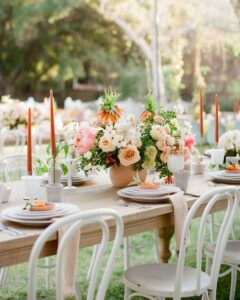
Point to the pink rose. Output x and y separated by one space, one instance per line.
186 153
85 138
189 142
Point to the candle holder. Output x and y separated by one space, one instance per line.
32 186
54 192
71 165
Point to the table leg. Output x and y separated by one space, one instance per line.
165 235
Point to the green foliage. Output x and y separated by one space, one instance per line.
150 103
109 101
61 149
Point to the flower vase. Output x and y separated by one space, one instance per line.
54 192
54 178
121 176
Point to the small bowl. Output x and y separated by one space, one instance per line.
48 206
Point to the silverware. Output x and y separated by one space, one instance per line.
130 204
11 230
191 194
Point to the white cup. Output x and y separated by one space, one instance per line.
5 193
182 179
217 156
54 192
175 163
32 186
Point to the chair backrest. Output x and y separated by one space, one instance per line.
231 196
13 138
14 166
76 222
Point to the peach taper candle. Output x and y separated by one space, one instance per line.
52 126
29 143
216 120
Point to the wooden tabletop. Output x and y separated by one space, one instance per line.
97 193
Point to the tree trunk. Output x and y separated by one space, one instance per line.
158 85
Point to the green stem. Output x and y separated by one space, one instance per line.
54 170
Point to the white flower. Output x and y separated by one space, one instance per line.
91 170
179 109
87 155
106 144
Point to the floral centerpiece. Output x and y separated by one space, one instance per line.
124 144
230 142
13 113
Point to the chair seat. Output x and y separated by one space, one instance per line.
231 254
159 280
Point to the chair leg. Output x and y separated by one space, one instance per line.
93 258
212 225
233 283
208 265
126 247
212 295
47 272
156 243
3 276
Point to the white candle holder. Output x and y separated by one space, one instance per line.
32 186
70 164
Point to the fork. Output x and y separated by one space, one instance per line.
11 230
128 204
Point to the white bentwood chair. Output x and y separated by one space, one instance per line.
231 258
76 222
157 281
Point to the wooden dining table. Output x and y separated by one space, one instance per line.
99 193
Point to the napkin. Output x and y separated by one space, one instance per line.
70 258
180 213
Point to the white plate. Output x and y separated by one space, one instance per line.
75 179
59 208
225 179
145 198
22 217
163 190
232 175
13 214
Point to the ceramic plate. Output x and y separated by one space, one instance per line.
145 198
163 190
218 177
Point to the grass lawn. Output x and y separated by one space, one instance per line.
15 287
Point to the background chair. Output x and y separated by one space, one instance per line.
76 222
211 132
12 141
13 167
155 281
231 258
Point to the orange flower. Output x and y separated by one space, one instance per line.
105 116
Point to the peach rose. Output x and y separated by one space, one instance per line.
128 155
158 132
164 157
106 145
161 145
158 119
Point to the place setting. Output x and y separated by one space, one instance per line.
38 213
